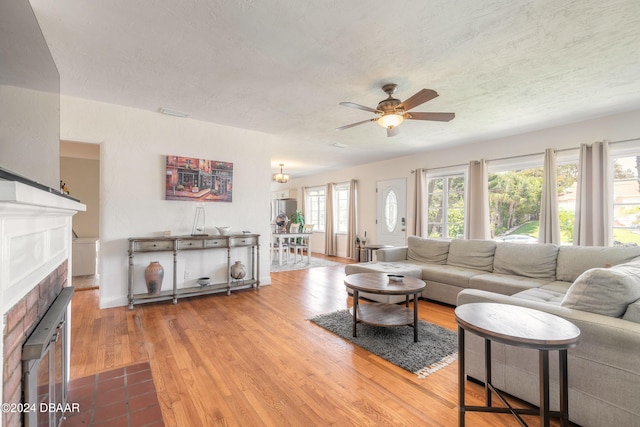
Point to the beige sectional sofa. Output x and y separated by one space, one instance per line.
596 288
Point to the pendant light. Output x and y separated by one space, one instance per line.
281 177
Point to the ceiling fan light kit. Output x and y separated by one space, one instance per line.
389 121
392 112
281 178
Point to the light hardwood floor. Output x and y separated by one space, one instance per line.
254 359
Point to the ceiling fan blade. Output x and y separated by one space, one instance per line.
359 107
419 98
438 117
355 124
393 131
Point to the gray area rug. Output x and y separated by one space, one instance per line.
301 265
436 348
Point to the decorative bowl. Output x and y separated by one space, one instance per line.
224 230
204 281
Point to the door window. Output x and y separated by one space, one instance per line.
391 211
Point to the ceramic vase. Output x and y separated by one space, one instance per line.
238 270
153 275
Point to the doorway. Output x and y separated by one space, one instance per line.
80 172
391 208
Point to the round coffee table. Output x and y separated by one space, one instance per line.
381 314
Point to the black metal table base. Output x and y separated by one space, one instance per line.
544 412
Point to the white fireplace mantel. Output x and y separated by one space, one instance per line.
35 237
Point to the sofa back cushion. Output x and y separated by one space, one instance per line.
633 312
476 254
607 291
537 261
427 250
575 260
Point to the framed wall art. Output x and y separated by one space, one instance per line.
188 178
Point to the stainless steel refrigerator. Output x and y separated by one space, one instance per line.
285 206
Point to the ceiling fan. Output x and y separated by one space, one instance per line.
391 111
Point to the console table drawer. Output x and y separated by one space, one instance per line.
215 243
243 241
156 245
190 244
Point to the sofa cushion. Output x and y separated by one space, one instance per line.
633 312
575 260
454 276
506 284
427 250
606 291
476 254
541 295
537 261
557 286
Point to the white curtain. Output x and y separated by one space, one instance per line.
477 224
420 214
330 242
549 231
593 224
353 219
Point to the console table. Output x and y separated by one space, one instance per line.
177 244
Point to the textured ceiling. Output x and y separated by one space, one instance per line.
281 66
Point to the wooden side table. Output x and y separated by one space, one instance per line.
520 327
371 249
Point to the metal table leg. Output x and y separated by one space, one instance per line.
461 375
356 296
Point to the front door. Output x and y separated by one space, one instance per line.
391 219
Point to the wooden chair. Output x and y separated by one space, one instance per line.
302 244
274 247
294 227
276 244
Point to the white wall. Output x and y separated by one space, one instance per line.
613 128
133 144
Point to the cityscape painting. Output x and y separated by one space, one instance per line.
199 180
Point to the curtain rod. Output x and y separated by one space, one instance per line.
525 155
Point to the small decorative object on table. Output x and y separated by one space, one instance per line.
238 270
298 218
224 230
281 221
198 222
153 275
363 240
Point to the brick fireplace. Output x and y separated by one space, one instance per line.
35 265
21 320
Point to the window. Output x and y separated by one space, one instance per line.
445 204
342 208
626 200
515 195
514 202
315 208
